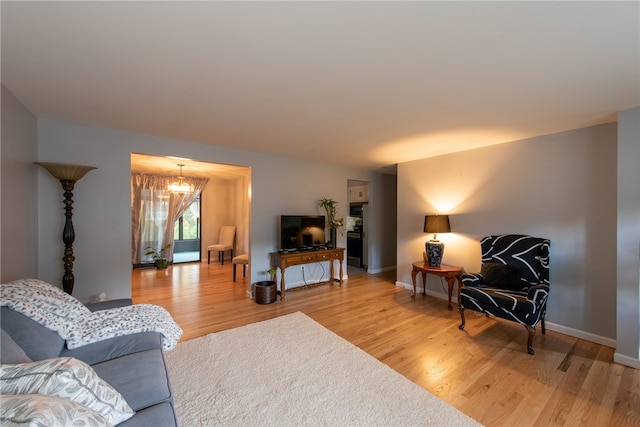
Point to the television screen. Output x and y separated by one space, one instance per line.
301 231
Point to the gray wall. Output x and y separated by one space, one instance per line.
102 202
628 279
560 186
383 223
19 233
572 177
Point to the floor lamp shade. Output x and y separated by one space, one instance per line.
67 175
434 248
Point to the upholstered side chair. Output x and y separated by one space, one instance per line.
513 283
240 259
226 242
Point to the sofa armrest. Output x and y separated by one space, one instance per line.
112 303
36 341
112 348
471 279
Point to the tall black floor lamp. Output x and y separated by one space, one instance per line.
67 175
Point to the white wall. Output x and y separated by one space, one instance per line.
560 186
628 303
102 203
18 151
225 202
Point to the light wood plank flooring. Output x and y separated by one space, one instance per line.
484 371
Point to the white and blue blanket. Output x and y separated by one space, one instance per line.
76 324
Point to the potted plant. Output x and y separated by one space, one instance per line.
334 223
157 255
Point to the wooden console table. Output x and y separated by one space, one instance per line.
282 260
449 272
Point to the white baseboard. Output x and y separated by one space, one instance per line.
380 270
408 286
626 360
576 333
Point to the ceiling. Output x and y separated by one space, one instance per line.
170 166
363 84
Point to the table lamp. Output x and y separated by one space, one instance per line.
434 248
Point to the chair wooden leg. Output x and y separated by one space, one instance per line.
544 329
244 270
234 272
532 332
208 257
461 327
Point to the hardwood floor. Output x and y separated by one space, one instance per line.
483 371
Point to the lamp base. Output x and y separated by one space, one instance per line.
435 250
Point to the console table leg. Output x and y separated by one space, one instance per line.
331 273
282 285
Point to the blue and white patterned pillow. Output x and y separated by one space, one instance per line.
67 378
39 410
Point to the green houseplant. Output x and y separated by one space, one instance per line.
334 223
157 255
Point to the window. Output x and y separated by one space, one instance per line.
186 235
187 227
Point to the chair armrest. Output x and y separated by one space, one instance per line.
471 279
538 294
105 305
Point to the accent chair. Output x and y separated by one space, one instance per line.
226 241
513 283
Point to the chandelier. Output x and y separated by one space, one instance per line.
180 186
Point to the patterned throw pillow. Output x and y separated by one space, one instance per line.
499 275
67 378
38 410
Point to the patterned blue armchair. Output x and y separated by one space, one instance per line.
513 283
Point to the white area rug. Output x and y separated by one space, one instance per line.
291 371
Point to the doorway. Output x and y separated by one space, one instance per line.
224 200
358 226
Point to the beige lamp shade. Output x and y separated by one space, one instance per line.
65 172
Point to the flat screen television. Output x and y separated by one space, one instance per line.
301 232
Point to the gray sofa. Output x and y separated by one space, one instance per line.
133 365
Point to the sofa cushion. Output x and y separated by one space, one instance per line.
40 410
36 341
113 348
10 351
66 378
140 377
160 415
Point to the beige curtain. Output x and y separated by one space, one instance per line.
154 211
